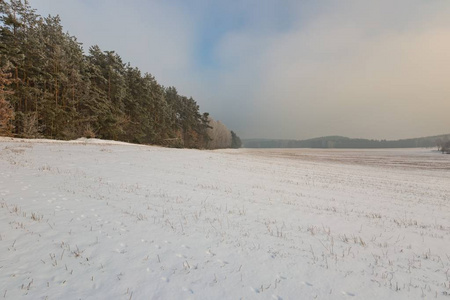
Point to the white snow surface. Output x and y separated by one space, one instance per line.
91 219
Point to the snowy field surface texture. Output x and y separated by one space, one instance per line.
92 219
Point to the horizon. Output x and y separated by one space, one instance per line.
341 136
293 71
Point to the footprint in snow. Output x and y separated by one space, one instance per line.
165 279
348 294
185 289
306 283
222 262
276 297
255 290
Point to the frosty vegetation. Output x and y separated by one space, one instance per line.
219 134
444 145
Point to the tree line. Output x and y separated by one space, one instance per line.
50 88
344 142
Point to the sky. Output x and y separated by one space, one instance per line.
286 69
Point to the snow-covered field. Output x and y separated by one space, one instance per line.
99 220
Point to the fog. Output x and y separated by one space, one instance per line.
372 69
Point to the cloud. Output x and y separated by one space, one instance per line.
365 70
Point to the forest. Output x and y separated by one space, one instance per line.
51 88
441 141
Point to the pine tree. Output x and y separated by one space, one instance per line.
50 88
6 110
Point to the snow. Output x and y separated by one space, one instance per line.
90 219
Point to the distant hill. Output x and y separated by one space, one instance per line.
344 142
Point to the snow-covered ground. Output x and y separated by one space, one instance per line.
98 220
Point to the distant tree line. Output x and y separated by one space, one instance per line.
443 145
345 142
50 88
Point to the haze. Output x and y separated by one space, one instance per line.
286 69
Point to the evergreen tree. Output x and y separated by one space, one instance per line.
235 141
50 88
6 110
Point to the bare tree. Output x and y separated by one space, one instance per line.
439 144
445 148
219 134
